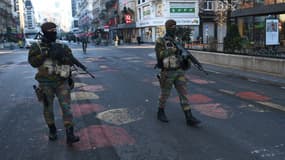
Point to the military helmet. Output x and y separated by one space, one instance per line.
169 23
47 26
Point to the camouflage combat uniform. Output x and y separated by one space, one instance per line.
171 76
51 84
169 60
53 61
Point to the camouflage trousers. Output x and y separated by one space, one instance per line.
179 81
62 92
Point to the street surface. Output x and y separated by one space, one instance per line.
115 114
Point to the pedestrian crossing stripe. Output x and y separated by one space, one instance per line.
83 96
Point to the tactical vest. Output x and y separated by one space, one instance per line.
52 67
170 62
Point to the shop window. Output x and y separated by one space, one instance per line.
259 28
247 4
269 2
280 1
259 2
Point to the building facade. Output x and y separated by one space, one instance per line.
85 15
252 17
7 22
152 14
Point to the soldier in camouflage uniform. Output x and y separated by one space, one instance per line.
172 73
50 58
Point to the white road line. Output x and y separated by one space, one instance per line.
227 91
252 80
213 71
272 105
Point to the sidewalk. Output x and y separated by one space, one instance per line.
5 51
247 74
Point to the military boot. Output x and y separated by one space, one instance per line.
70 137
190 119
52 132
161 115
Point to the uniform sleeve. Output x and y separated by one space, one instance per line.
159 48
36 58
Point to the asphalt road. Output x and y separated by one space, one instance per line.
115 114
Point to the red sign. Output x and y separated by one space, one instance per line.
128 18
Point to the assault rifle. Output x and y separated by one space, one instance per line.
187 54
74 61
60 54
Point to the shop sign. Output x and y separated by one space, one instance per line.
128 18
106 28
182 9
146 12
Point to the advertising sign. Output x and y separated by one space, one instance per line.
272 32
182 9
146 12
128 18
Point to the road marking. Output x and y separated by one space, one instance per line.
106 136
252 96
283 87
121 116
77 85
227 91
152 54
272 105
86 108
83 96
215 110
213 71
252 80
92 88
272 151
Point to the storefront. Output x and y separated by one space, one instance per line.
252 24
153 15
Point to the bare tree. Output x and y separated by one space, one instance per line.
224 9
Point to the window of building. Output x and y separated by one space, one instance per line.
259 2
140 13
269 2
139 1
247 4
259 28
281 28
208 5
280 1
